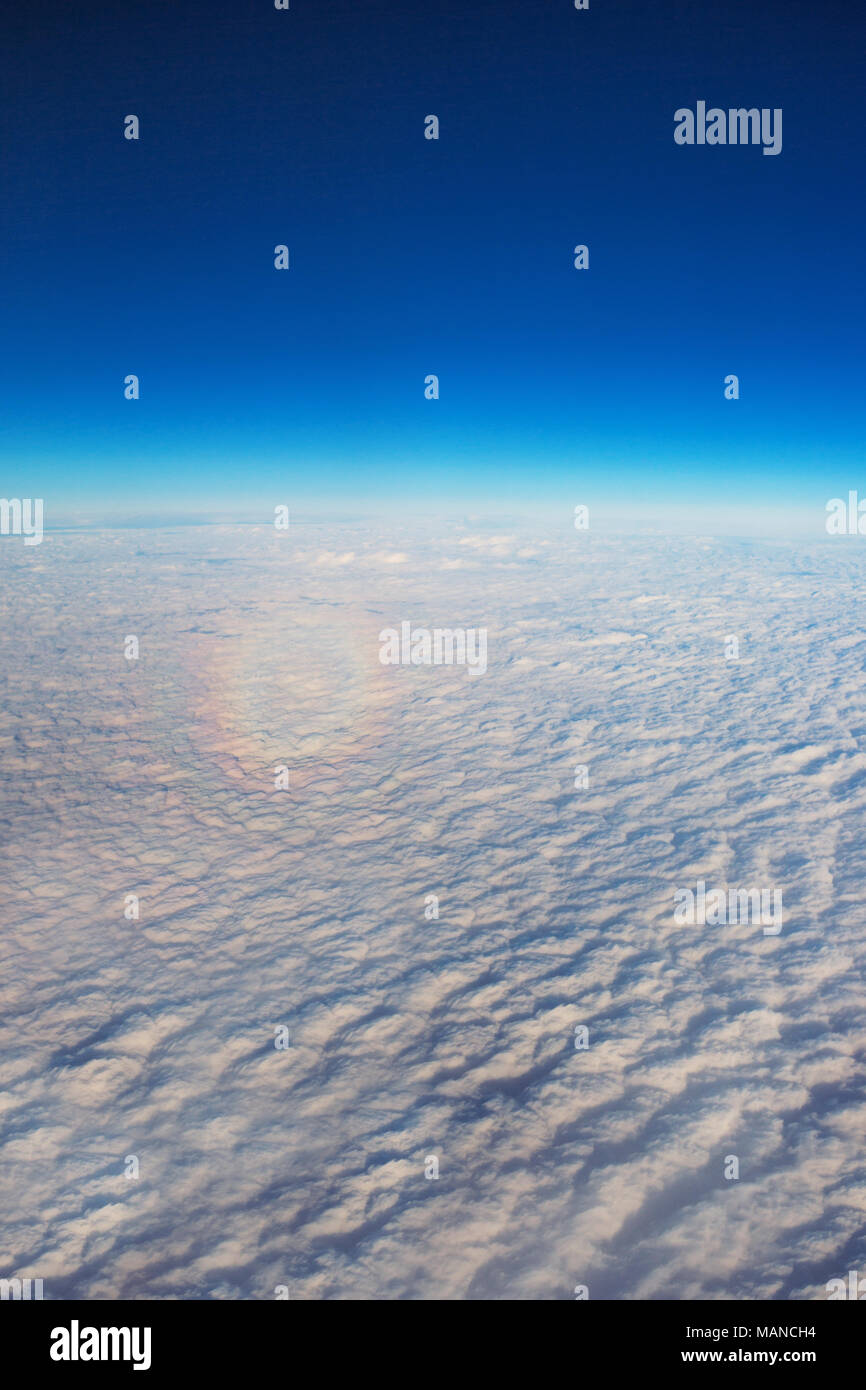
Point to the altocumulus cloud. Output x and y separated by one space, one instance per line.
409 1036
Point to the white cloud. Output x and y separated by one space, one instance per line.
453 1036
331 558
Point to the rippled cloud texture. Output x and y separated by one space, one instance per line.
413 1037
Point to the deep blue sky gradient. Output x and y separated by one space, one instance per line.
412 256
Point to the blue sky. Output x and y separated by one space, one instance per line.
412 257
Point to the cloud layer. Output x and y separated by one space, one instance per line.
409 1037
